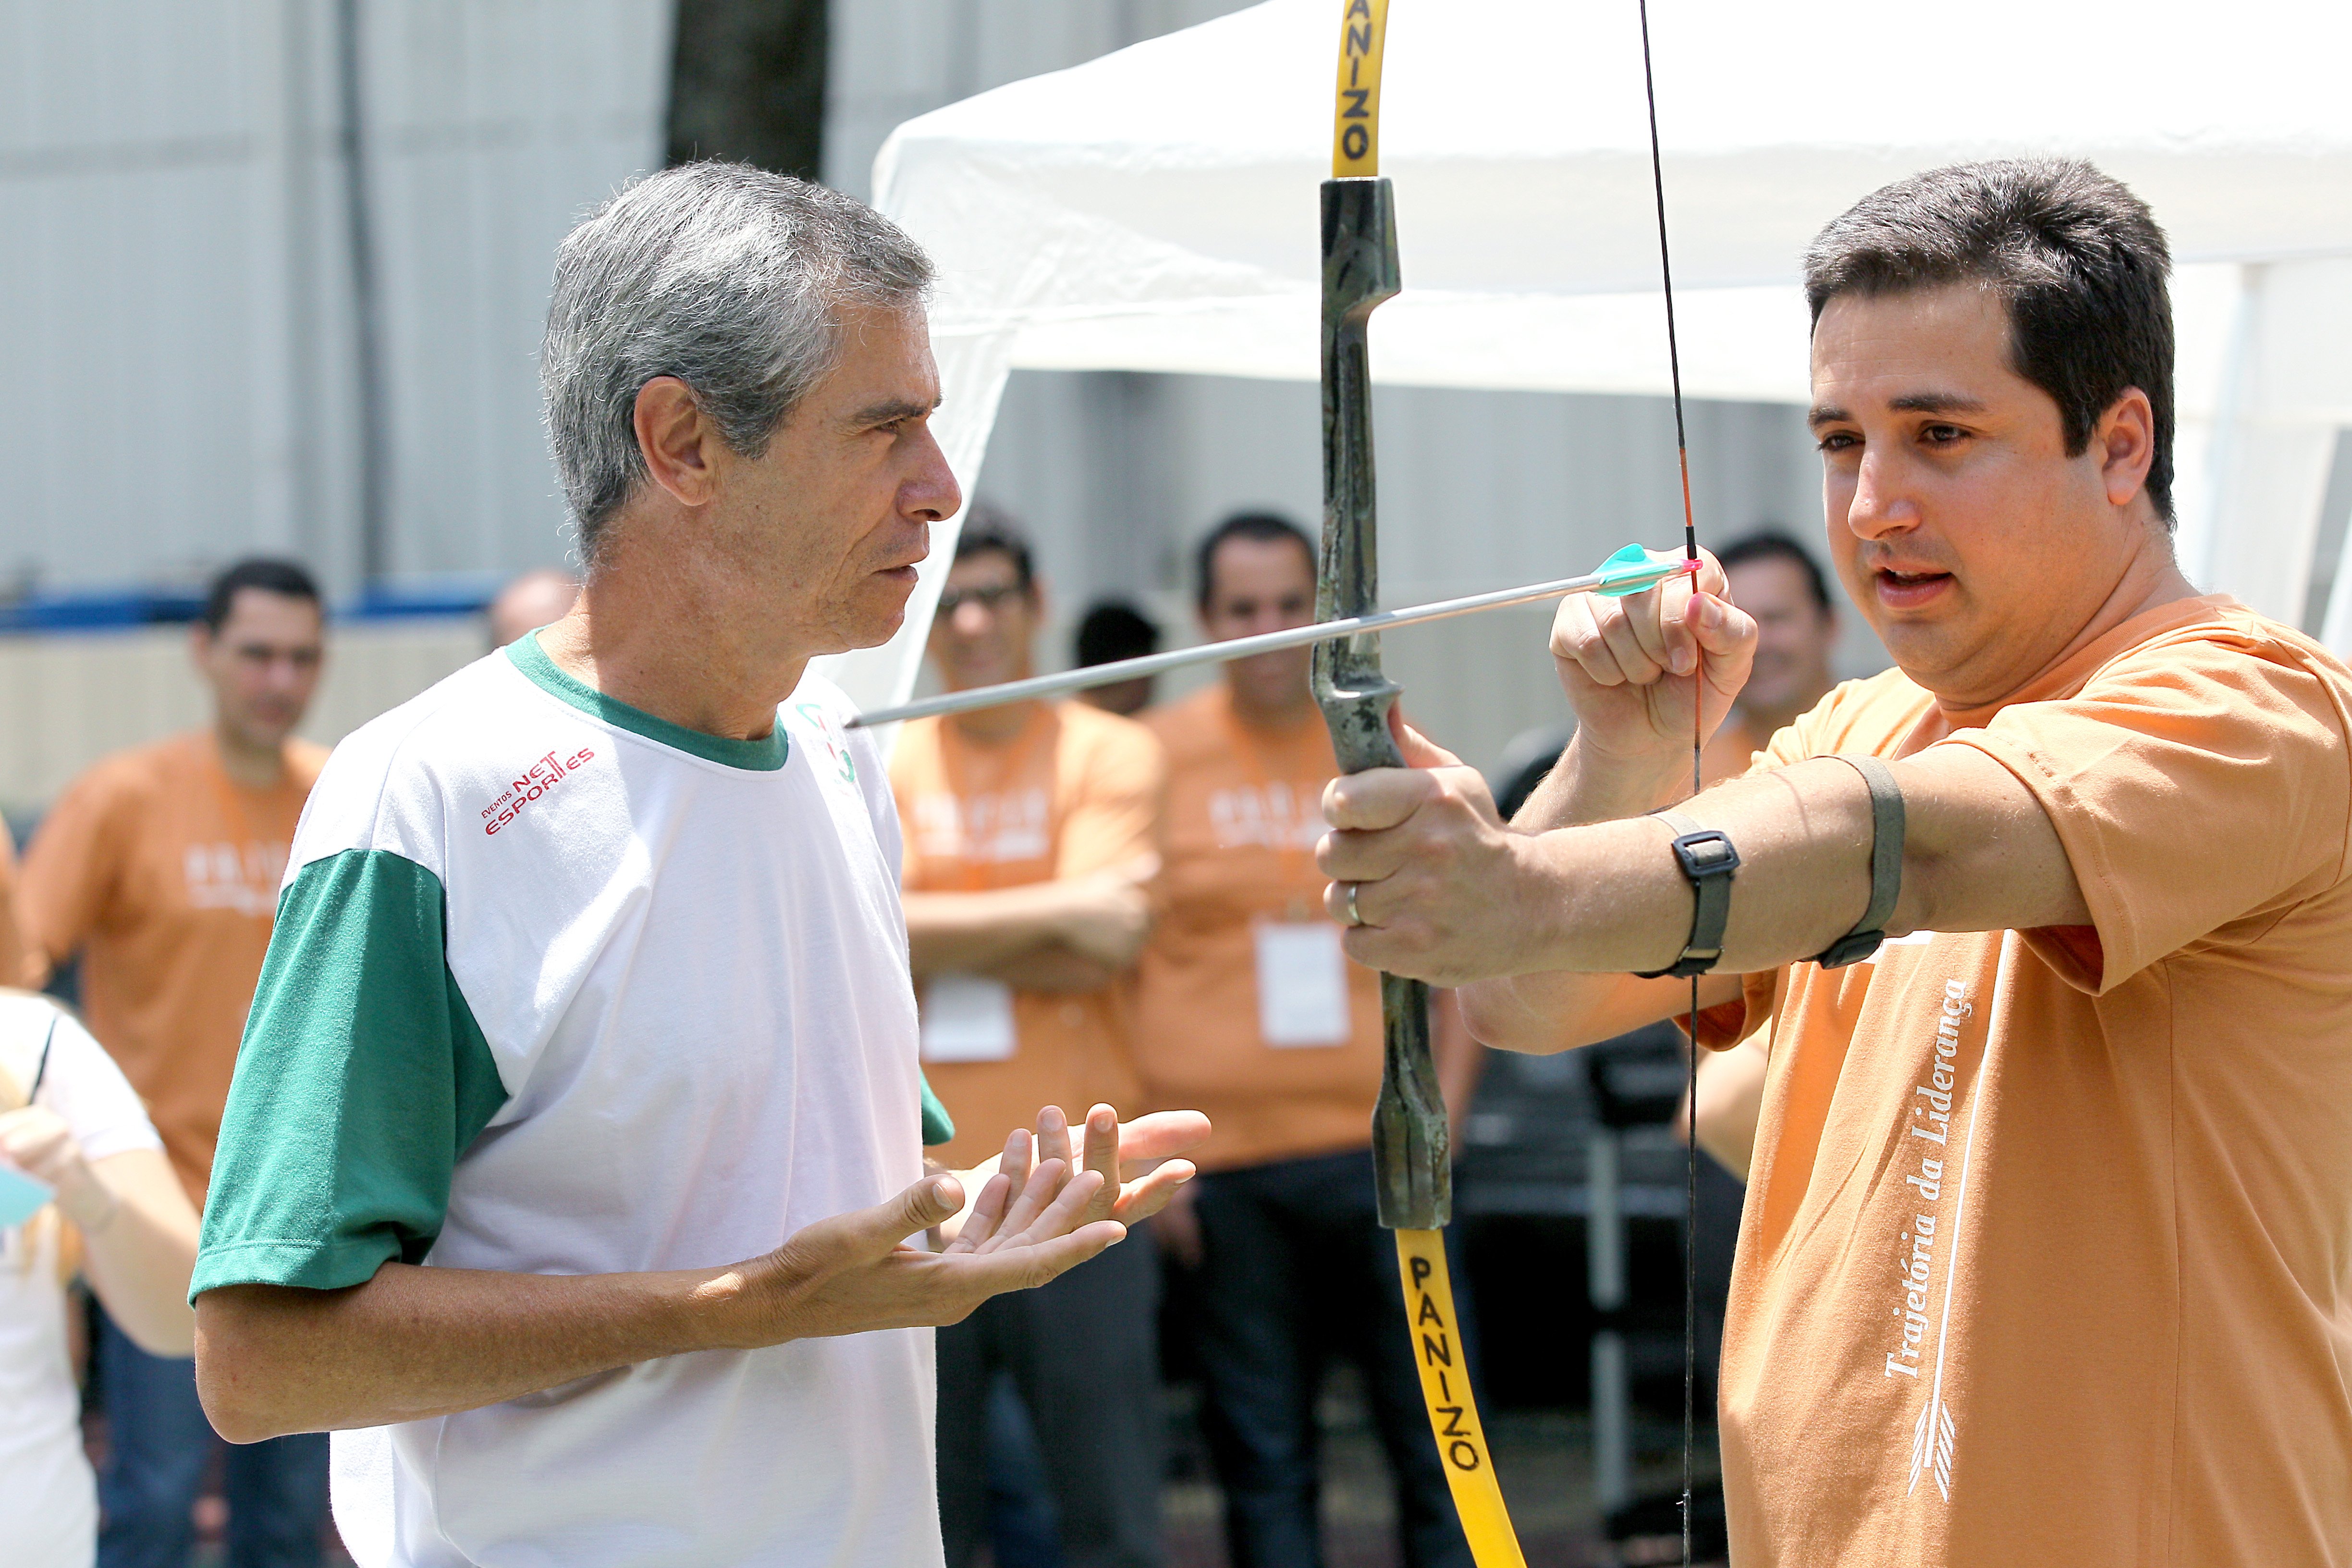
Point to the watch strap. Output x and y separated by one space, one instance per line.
1707 859
1886 823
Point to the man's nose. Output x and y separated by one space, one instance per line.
930 492
1881 503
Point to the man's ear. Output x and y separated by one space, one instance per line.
2124 443
679 445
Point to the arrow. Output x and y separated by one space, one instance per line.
1630 571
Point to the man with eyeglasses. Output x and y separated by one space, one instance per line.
1029 840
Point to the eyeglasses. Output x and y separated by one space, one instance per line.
987 597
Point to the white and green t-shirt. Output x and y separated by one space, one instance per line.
561 988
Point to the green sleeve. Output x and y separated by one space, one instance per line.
361 1078
937 1128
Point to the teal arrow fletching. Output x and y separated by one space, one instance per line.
1633 569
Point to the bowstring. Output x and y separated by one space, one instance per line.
1690 554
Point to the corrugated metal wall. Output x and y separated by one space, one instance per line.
176 294
499 123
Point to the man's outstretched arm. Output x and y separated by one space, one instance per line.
1543 929
414 1342
1546 924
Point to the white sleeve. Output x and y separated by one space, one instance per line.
881 804
84 1087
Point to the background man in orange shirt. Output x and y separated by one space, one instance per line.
1029 839
1249 1011
160 867
1780 587
2047 1253
13 965
539 597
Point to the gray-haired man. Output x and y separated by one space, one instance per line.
572 1149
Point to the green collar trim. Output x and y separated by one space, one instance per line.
764 755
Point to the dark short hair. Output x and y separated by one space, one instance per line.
2076 257
268 574
1262 526
1771 544
986 528
1115 629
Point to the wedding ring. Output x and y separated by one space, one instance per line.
1354 919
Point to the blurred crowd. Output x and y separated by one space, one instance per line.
1108 900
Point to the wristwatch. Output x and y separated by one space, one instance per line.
1708 860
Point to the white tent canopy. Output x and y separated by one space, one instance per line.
1156 209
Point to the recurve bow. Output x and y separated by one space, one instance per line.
1411 1150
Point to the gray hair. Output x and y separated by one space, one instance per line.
729 277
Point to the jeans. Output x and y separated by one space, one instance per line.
1295 1268
159 1445
1083 1353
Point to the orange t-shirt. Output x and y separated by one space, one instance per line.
2047 1254
1732 750
165 875
13 956
1237 851
1074 792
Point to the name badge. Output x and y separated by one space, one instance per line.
1302 984
967 1018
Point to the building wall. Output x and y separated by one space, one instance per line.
177 289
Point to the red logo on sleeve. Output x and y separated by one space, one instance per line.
537 780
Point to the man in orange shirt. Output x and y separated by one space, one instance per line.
12 941
1248 1010
160 867
2047 1255
539 597
1028 841
1771 576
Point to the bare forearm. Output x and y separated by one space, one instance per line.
1583 789
139 1258
414 1343
983 933
1979 855
1552 1011
1053 967
971 933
